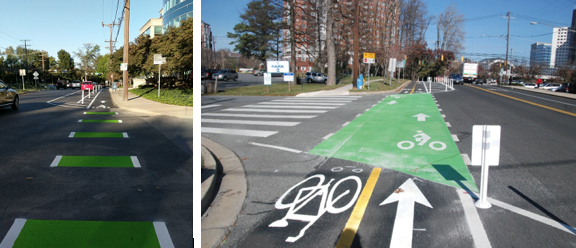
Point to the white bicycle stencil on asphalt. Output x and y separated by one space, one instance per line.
422 138
306 194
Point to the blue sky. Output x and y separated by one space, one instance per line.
68 24
552 12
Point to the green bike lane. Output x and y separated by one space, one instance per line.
100 188
406 133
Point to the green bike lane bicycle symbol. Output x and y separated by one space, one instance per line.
421 138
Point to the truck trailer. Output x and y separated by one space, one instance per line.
469 72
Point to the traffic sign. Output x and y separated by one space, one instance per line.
369 61
267 78
35 78
158 59
369 55
22 72
392 65
35 74
289 77
123 66
277 66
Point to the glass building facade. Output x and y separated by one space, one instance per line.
541 53
176 11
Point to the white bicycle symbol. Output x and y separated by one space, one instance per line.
307 194
422 138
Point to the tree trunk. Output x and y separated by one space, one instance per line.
330 44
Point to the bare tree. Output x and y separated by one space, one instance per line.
451 29
414 21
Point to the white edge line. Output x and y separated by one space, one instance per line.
328 136
276 147
13 233
90 105
135 161
473 219
533 216
80 120
466 159
84 112
455 138
448 124
346 124
119 121
56 161
125 134
358 115
163 235
71 135
116 113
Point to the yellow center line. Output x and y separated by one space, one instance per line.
353 223
415 83
525 101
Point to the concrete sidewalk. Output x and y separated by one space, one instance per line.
136 103
345 90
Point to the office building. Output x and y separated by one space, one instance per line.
560 47
541 54
175 11
152 28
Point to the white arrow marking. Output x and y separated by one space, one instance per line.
392 102
406 195
421 117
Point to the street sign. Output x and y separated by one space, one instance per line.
401 64
158 59
369 55
123 66
267 78
369 61
35 74
277 66
289 77
22 72
392 65
485 143
35 78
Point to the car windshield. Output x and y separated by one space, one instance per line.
221 71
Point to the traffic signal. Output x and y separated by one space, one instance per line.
442 58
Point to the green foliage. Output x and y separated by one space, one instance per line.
65 61
256 36
87 56
180 97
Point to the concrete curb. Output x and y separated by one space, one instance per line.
142 111
213 172
544 92
227 205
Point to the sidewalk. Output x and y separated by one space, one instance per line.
136 103
543 91
345 90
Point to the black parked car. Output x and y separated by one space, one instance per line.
8 96
61 84
563 88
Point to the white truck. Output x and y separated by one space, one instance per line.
469 72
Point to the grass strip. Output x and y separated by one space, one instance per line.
281 89
180 97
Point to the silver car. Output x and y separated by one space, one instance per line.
315 77
225 74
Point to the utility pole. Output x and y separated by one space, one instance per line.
126 40
43 75
111 26
507 43
356 44
26 51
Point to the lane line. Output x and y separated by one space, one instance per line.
163 235
414 87
313 101
288 103
466 159
125 134
276 110
328 136
536 217
573 105
275 147
210 106
240 132
473 219
135 161
289 107
353 223
262 123
260 116
455 138
56 161
13 233
346 124
526 101
71 135
448 124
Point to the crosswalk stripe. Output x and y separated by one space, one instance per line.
290 107
275 110
312 101
210 106
330 97
240 132
260 116
264 123
289 103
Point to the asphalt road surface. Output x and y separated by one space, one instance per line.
56 166
246 79
353 172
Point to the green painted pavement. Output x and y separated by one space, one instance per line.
373 139
97 135
100 113
101 121
78 234
95 161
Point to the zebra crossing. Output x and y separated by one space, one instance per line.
263 119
